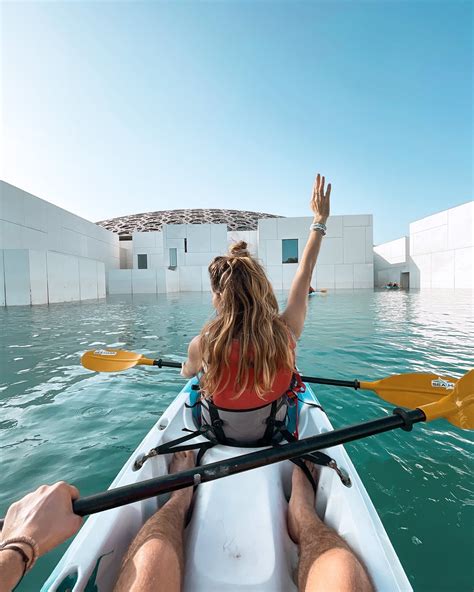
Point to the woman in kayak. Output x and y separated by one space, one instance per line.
245 356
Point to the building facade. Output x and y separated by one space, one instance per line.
48 254
438 253
176 258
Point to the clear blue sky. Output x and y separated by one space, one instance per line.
112 108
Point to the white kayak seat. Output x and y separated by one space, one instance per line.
252 544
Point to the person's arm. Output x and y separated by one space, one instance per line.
45 518
295 312
193 364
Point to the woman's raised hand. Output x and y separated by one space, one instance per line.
320 200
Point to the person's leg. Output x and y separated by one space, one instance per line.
154 560
326 563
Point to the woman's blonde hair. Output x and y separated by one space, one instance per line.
248 311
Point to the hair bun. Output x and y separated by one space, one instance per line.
239 249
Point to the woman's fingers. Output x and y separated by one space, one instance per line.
328 192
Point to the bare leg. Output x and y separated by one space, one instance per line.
154 560
326 563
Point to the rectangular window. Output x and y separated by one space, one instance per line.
173 258
185 245
289 250
142 261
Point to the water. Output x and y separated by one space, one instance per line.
59 421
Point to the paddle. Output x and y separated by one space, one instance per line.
457 407
405 390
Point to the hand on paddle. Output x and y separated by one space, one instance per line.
45 515
320 200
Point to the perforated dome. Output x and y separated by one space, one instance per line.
153 221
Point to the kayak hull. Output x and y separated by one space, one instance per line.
237 538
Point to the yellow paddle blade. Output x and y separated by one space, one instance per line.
457 407
112 360
411 390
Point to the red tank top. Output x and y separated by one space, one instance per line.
225 397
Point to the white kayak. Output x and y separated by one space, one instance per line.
237 537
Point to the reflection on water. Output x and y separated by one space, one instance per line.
60 421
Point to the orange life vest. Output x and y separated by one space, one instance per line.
224 397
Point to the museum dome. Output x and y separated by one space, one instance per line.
153 221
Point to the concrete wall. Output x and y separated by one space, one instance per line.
30 276
345 260
391 259
442 249
28 222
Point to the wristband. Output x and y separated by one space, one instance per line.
319 227
24 558
25 540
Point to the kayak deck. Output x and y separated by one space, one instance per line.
237 538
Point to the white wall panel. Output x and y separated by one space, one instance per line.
267 229
335 227
12 203
33 239
332 251
464 268
358 220
325 276
200 259
461 226
156 261
218 238
2 279
35 212
288 273
172 280
11 235
199 238
63 277
442 270
369 244
354 244
38 277
190 278
17 277
344 276
88 285
429 241
175 231
101 288
275 275
144 281
119 281
205 280
160 281
429 222
363 275
420 271
273 252
143 240
297 227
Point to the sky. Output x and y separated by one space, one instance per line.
114 108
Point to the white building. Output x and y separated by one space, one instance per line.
439 253
176 258
48 254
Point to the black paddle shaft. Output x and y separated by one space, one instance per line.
135 492
127 494
313 379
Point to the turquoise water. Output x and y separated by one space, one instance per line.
59 421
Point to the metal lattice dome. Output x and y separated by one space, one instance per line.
153 221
